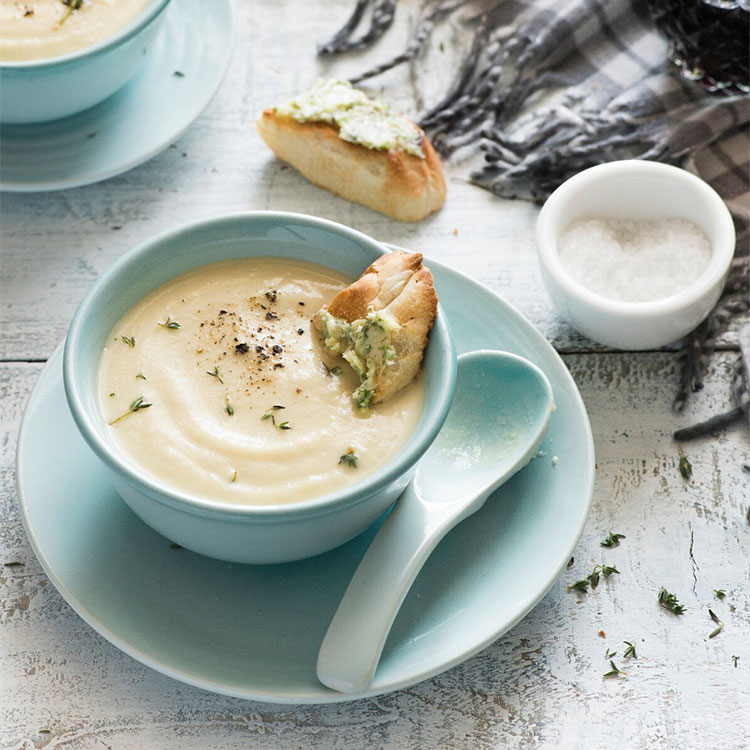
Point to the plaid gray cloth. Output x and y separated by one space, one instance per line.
551 87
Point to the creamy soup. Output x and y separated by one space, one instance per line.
41 29
216 384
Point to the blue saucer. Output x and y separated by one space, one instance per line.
254 631
183 72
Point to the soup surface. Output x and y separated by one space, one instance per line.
42 29
216 384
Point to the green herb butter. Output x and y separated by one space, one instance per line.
365 344
359 119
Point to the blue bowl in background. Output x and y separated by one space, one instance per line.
34 91
228 531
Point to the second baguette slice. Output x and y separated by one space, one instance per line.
396 183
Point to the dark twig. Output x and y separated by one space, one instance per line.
714 424
416 43
382 18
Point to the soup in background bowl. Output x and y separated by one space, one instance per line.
309 508
59 58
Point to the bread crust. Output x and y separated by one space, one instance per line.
401 286
396 183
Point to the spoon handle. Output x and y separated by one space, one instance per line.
352 646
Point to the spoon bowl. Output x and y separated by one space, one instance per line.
481 443
500 413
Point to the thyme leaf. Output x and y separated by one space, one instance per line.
686 468
137 405
613 540
129 340
718 630
720 593
141 376
169 323
285 426
610 654
581 585
614 672
216 374
234 475
229 409
669 601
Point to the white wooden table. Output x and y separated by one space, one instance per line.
541 684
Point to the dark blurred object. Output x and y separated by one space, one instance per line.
709 40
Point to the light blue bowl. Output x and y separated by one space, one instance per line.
248 534
42 90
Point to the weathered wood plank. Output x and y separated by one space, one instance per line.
55 245
539 685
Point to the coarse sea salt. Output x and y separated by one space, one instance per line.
634 260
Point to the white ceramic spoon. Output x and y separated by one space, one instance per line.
499 415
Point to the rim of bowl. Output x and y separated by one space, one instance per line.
162 493
133 27
722 251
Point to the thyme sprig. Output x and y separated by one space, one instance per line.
137 405
720 624
129 340
71 6
169 323
613 540
269 415
614 671
630 650
669 601
350 458
686 468
216 374
592 579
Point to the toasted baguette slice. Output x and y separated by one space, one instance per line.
392 306
396 183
